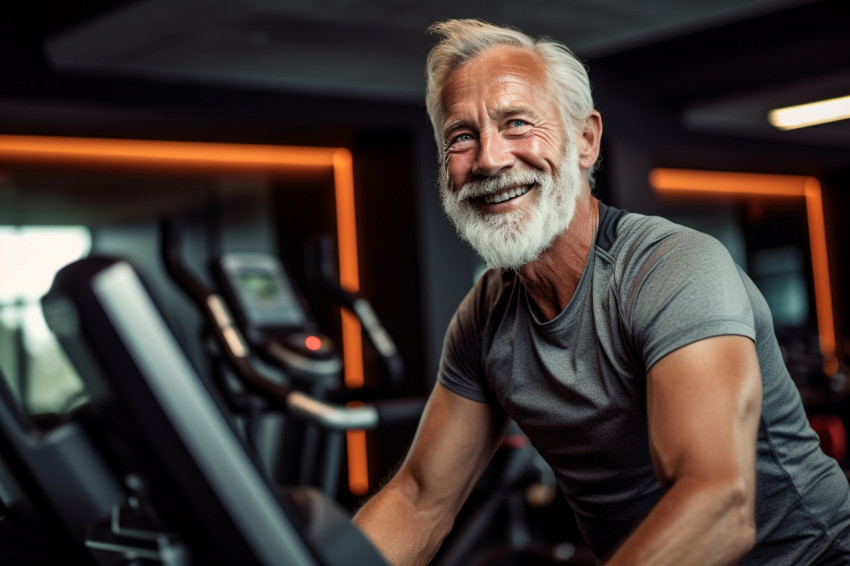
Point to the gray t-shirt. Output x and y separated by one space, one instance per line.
576 385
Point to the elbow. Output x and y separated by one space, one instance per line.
746 535
435 516
742 519
743 540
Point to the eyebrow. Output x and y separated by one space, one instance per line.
451 127
504 111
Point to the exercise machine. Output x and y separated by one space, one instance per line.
189 491
259 310
55 484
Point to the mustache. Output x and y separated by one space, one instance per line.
490 185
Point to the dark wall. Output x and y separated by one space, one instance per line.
837 204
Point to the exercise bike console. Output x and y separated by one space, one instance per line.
272 315
260 285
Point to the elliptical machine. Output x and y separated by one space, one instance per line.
260 311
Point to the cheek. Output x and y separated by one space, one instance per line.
541 153
459 167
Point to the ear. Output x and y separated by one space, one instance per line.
589 140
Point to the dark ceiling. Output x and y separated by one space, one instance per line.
721 65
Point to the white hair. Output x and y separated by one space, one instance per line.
464 39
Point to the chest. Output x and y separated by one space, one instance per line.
575 389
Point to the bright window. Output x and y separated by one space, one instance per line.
30 358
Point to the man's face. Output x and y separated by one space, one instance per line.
506 150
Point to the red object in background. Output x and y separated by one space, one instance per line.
833 435
313 343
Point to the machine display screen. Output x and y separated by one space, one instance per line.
268 298
261 287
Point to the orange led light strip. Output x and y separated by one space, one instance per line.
685 181
204 156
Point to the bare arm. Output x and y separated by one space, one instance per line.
409 518
704 404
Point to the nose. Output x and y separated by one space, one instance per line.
494 155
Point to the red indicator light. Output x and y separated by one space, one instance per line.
313 343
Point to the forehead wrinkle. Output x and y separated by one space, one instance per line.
511 110
512 76
521 68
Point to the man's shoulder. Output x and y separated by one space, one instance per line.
640 235
646 243
635 228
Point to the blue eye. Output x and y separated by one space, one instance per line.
461 138
518 123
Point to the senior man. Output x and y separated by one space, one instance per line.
639 360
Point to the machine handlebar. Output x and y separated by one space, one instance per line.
320 266
236 352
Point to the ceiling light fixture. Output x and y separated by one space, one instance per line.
811 114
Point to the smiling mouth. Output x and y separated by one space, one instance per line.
506 195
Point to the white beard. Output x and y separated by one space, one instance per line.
513 239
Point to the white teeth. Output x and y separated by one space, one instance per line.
506 195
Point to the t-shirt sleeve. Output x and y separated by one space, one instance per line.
460 363
683 288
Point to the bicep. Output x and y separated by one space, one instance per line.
454 442
704 405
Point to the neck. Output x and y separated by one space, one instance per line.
551 280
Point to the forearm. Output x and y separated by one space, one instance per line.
405 534
409 518
694 524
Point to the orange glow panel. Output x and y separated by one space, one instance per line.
820 266
349 276
352 338
747 184
358 469
685 181
161 153
210 156
352 350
